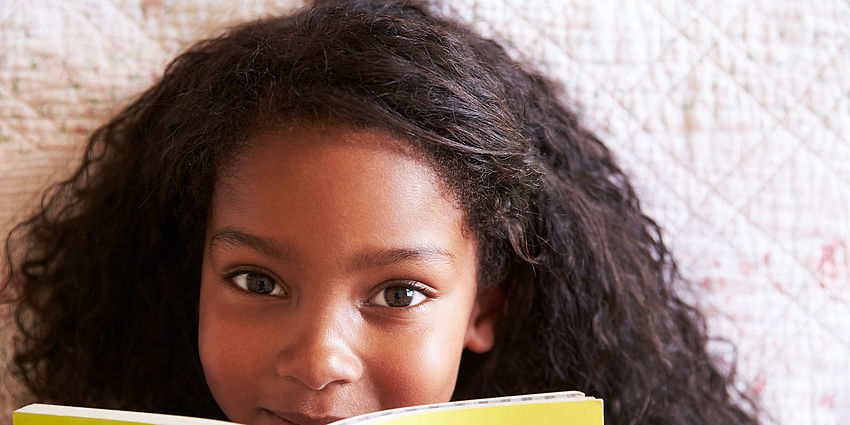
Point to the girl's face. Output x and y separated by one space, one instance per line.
337 280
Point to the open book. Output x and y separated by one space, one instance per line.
568 407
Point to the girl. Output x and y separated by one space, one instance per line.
357 207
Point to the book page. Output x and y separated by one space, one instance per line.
569 407
46 414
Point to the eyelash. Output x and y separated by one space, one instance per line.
278 285
413 285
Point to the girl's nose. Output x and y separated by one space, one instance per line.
320 354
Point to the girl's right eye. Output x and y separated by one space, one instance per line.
258 283
402 294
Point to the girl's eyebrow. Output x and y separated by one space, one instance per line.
229 237
389 256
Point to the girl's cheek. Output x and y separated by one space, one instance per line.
230 355
417 367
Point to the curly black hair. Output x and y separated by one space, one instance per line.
107 272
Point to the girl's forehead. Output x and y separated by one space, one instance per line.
336 183
325 140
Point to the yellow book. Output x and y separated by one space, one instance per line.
567 408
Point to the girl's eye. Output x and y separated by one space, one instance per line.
258 283
398 296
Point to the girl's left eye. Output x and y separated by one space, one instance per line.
258 283
399 296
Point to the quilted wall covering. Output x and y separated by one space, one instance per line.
732 117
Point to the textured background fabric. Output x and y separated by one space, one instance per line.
732 117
